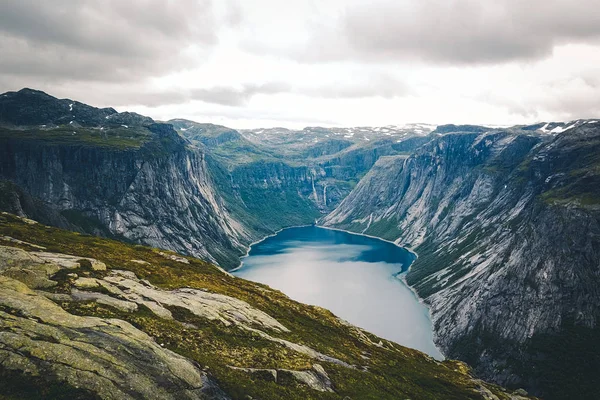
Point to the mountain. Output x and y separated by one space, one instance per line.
553 128
506 226
114 174
195 188
304 181
277 137
90 318
29 107
504 221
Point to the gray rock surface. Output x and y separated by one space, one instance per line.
315 378
107 356
506 225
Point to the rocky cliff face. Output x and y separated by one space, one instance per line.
166 202
506 225
140 182
123 175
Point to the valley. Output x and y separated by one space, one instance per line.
504 221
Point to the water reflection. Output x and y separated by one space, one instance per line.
353 276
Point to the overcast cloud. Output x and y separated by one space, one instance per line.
454 31
330 62
104 40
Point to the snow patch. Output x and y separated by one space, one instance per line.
71 107
560 129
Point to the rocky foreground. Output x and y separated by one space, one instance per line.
83 317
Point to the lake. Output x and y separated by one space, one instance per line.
354 276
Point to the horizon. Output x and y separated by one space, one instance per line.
299 128
335 63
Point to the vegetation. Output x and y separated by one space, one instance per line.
114 137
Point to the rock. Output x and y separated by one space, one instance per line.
141 262
13 240
15 257
26 267
310 378
97 265
102 298
68 261
108 357
174 257
86 283
227 310
489 214
315 379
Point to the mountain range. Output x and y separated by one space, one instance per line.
505 222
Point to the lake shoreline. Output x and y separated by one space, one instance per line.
262 240
401 276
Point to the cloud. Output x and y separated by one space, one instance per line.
230 96
350 61
457 32
375 85
383 86
573 97
108 40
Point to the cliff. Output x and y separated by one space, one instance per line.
139 182
506 225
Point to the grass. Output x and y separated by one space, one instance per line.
263 209
118 137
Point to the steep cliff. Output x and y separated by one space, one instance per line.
210 194
140 182
506 225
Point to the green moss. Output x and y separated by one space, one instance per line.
15 385
385 229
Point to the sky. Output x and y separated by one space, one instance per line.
265 63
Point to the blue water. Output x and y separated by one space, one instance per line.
356 277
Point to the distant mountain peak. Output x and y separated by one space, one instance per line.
30 107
